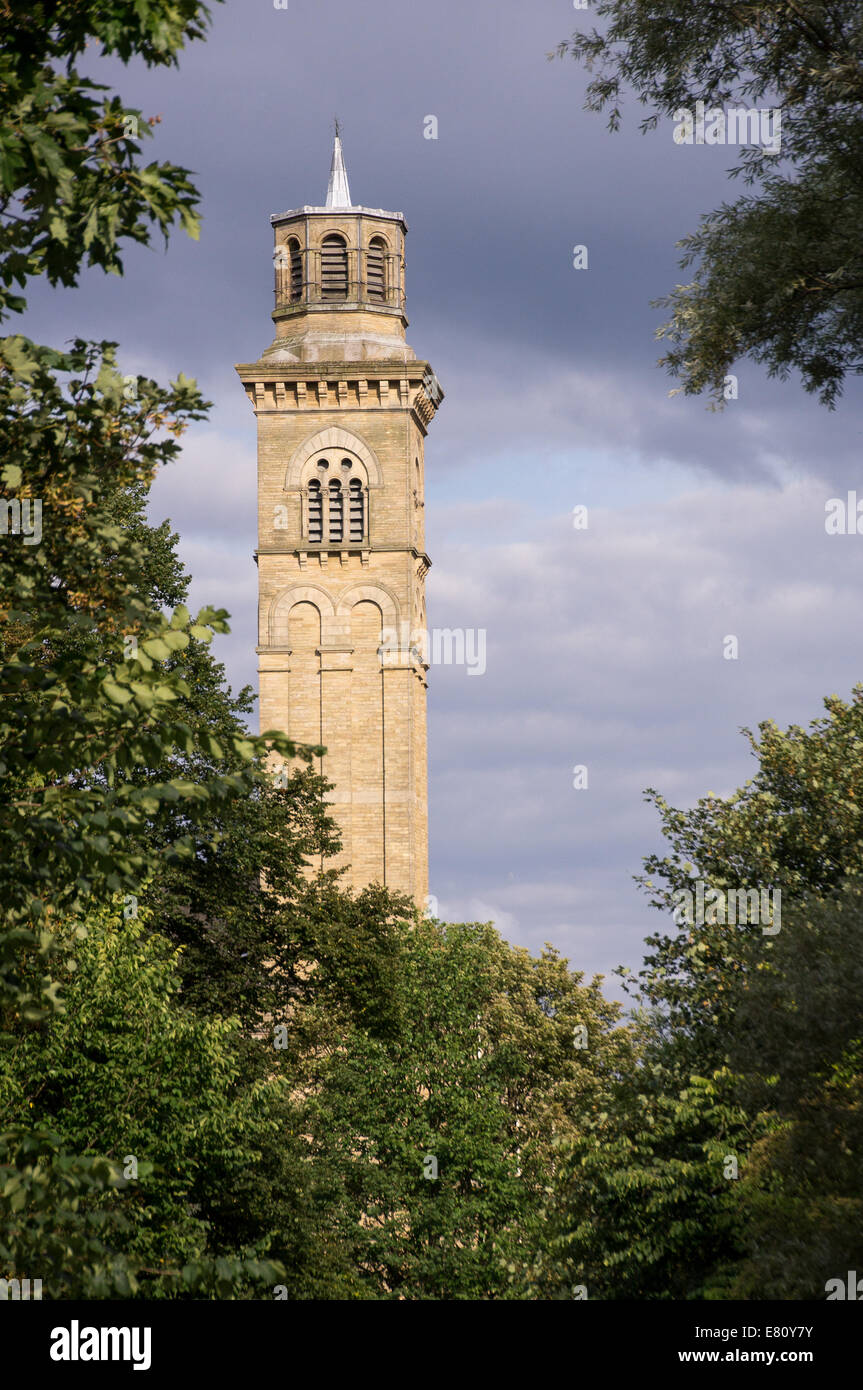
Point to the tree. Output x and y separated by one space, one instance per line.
794 827
69 196
128 1072
643 1202
72 188
90 697
796 1045
723 1161
222 869
779 272
436 1135
337 957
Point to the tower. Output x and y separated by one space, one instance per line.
342 406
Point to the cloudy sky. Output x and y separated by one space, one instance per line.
605 644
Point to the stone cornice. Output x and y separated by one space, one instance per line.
376 369
323 387
308 211
375 547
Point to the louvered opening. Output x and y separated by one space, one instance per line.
356 505
375 275
336 512
296 270
316 512
334 268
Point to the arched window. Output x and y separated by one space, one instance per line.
334 267
336 511
316 513
376 280
356 514
296 269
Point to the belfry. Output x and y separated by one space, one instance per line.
342 406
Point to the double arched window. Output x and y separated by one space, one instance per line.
334 267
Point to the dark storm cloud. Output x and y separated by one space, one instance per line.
518 176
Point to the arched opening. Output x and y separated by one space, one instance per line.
296 268
316 512
336 511
334 267
357 518
376 280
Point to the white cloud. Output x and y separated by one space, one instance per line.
605 648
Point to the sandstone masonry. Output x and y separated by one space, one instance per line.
342 407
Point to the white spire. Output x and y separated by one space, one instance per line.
338 193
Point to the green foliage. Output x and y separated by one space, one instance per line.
746 1045
779 280
797 1045
795 827
75 712
243 908
108 772
72 188
128 1073
641 1205
481 1072
779 272
51 1228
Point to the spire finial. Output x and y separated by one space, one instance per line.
338 193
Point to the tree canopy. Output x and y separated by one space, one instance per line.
779 271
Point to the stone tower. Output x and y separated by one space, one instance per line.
342 406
